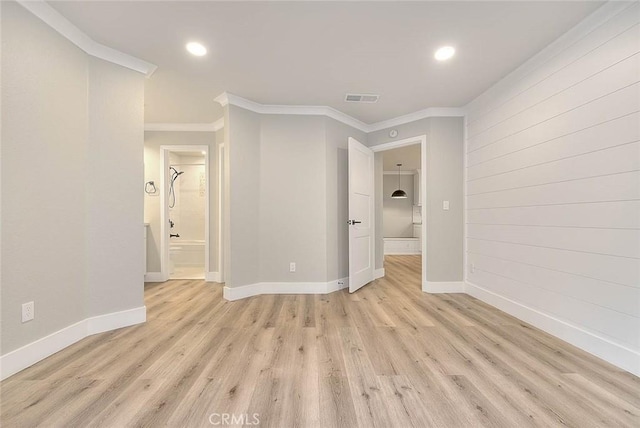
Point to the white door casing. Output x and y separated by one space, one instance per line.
361 215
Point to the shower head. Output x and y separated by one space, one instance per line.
175 171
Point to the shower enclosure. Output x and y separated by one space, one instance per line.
185 212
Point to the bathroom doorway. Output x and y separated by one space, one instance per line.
185 212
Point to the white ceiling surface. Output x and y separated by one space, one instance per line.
312 53
408 156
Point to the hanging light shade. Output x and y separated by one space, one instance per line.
399 194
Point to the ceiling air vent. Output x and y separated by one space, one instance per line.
361 98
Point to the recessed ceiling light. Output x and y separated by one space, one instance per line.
196 49
444 53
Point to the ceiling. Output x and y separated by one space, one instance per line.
408 156
312 53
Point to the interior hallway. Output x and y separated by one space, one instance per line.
388 355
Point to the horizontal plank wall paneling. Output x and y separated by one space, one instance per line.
553 186
558 56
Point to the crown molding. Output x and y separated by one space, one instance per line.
418 115
62 25
185 127
227 98
222 99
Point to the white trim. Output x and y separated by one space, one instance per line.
227 98
185 127
221 147
336 285
207 214
244 291
26 356
212 277
465 216
618 355
222 99
400 143
403 253
62 25
412 172
154 277
436 287
378 273
116 320
417 115
164 217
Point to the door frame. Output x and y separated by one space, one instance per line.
164 206
422 140
221 149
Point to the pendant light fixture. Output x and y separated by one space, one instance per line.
399 194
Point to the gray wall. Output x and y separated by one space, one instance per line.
397 214
288 196
114 208
291 172
66 141
152 142
43 169
445 171
293 217
242 133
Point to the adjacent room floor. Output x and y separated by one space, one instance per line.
386 356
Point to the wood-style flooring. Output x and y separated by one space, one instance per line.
387 356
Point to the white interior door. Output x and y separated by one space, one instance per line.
361 212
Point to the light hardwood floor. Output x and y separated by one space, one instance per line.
386 356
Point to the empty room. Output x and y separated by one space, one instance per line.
320 214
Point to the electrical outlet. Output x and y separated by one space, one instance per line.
28 311
340 282
472 268
292 267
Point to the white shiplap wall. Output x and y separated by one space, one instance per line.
553 188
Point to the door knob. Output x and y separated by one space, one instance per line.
352 222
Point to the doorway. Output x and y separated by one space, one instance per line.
401 203
405 216
184 212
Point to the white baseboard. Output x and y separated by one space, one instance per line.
212 277
378 273
403 253
244 291
616 354
154 277
115 320
444 287
26 356
336 285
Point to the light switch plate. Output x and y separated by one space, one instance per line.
445 205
